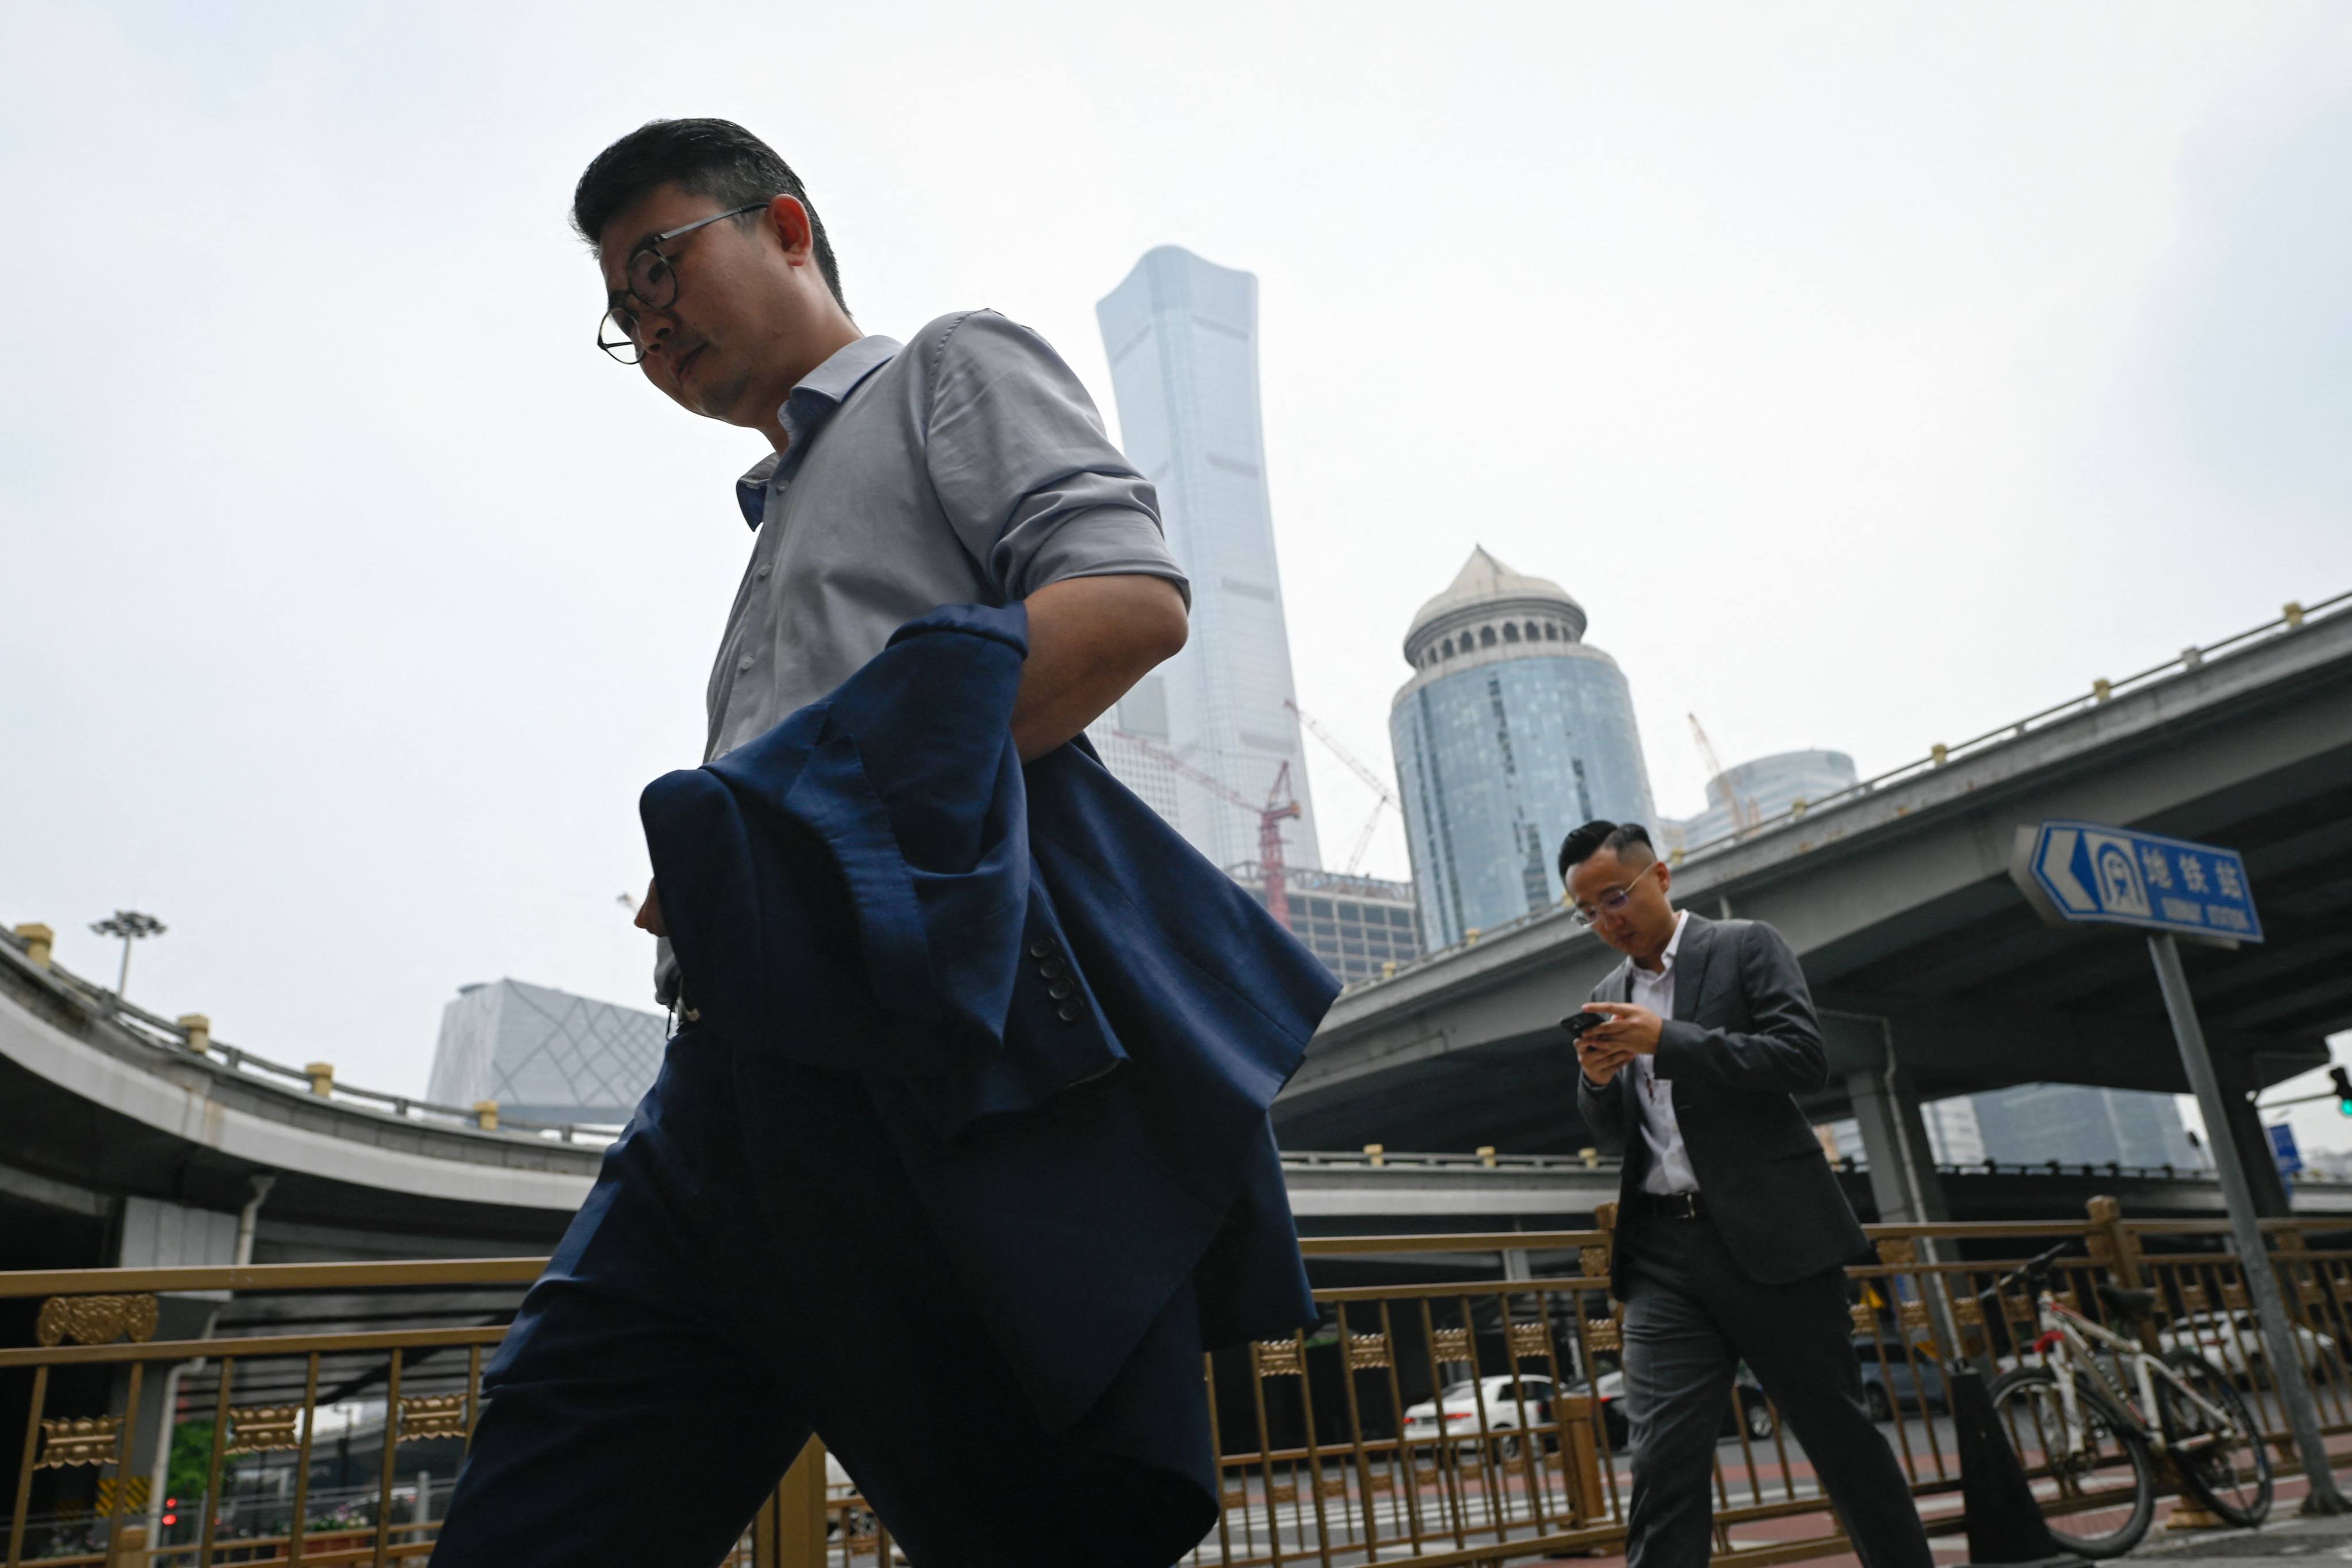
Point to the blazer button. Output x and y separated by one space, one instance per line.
1069 1012
1041 948
1060 989
1053 968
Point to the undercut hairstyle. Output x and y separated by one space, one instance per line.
714 158
1595 836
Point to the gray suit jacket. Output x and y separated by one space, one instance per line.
1742 1044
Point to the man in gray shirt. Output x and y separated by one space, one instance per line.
682 1343
967 466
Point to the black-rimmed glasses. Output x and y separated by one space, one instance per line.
652 284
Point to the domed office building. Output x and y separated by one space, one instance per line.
1512 731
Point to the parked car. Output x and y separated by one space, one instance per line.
2231 1340
1755 1410
1884 1388
1454 1412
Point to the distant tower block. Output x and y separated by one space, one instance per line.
1181 336
538 1055
1512 731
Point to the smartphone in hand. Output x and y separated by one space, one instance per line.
1576 1023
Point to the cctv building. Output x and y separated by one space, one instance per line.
1512 731
1182 337
545 1055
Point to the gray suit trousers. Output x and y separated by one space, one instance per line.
1692 1315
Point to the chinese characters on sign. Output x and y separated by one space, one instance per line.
2087 873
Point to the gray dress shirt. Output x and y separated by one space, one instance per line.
967 467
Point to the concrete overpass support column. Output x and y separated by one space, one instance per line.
1903 1181
2236 1075
154 1234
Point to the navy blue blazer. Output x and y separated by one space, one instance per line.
1072 1022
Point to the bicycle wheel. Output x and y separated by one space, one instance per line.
2224 1461
2100 1493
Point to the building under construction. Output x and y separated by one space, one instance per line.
1361 927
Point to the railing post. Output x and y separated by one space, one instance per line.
37 940
2112 1244
794 1518
127 1546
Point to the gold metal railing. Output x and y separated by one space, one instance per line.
1334 1446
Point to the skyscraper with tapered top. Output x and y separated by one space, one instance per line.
1182 337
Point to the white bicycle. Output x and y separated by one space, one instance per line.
2085 1436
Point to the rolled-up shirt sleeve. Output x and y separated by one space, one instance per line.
1019 461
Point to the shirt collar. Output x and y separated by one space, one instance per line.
1666 958
814 398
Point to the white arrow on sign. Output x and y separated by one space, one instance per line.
2057 869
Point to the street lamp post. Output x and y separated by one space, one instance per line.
131 926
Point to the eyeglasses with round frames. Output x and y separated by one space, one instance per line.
652 284
1585 915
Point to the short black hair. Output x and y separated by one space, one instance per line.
1595 836
714 158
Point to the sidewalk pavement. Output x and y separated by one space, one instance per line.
2286 1535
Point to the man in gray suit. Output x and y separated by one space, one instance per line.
1731 1233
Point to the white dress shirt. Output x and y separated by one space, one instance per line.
1653 1097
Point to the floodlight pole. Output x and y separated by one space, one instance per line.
2261 1279
131 926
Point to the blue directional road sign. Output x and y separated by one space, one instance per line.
2284 1150
2087 873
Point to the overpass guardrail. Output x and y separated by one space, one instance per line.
328 1429
26 950
1406 1163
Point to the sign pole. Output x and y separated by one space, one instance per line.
2261 1279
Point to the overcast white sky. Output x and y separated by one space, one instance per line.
1873 375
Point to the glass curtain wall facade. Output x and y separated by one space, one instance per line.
1751 791
1124 737
545 1055
2080 1124
1182 337
1512 731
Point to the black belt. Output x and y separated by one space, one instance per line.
1672 1205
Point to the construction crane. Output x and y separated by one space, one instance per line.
1279 808
1357 765
1744 814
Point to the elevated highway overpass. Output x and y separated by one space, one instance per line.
120 1144
125 1138
1933 975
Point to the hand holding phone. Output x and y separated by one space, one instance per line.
1576 1023
1600 1063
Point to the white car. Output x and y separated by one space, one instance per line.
1454 1412
2230 1339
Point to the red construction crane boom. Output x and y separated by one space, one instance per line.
1279 807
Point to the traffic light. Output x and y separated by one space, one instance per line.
2342 1079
